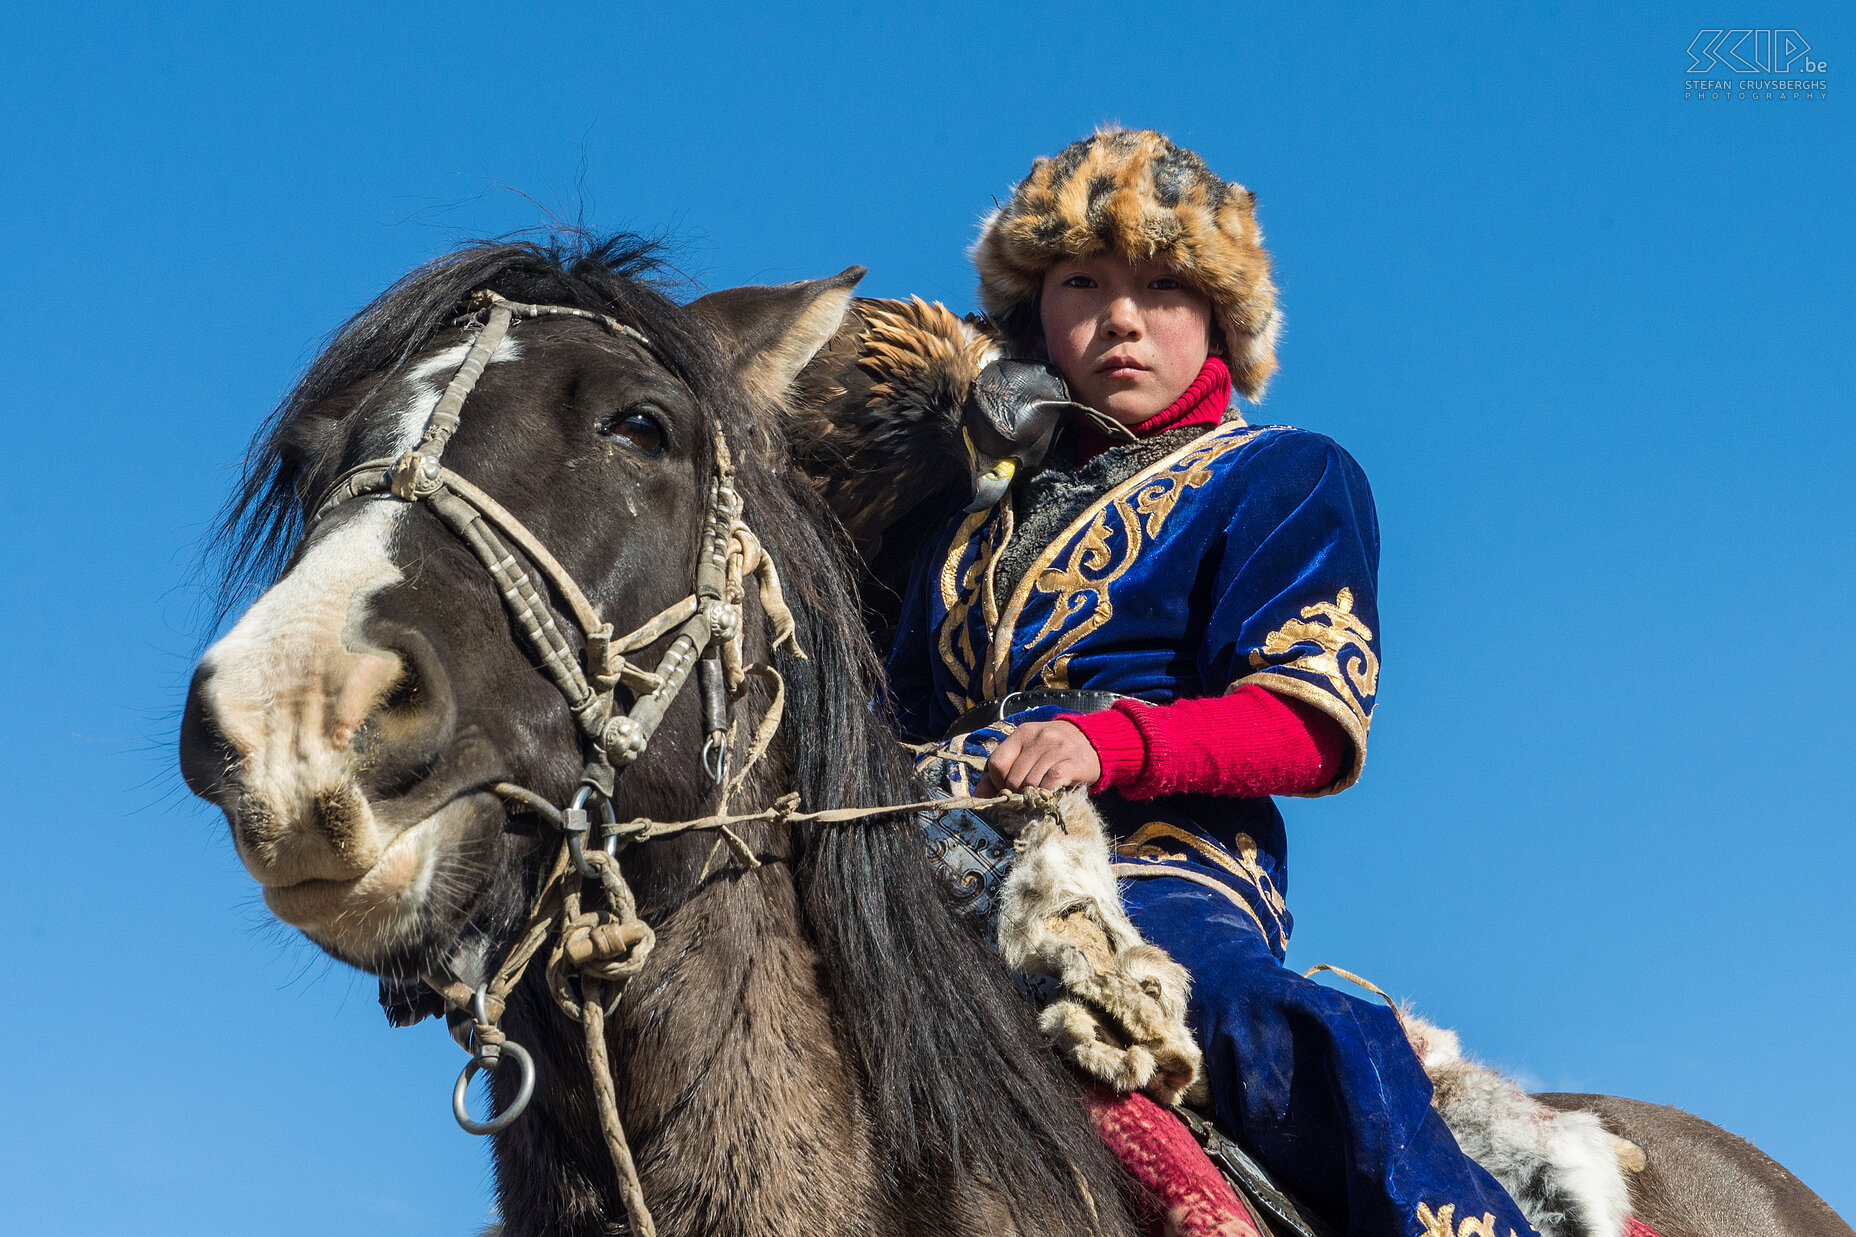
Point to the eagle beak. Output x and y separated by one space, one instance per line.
990 484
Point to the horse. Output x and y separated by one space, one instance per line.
814 1043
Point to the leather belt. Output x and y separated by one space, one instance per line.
1076 700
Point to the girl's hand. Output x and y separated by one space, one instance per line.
1048 754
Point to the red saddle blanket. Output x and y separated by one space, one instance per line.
1186 1195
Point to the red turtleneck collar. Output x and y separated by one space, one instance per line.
1202 403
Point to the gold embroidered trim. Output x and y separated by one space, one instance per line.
989 593
958 588
1346 657
1142 844
1437 1223
1143 502
1140 871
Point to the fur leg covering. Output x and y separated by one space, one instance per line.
1122 1018
1563 1168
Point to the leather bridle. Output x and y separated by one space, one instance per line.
597 948
707 624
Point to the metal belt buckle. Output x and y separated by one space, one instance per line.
1003 706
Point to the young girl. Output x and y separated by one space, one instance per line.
1181 619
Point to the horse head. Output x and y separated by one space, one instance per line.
352 722
363 723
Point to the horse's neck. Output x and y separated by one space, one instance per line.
744 1113
735 1063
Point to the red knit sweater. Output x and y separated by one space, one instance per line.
1251 742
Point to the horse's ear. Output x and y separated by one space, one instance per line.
773 330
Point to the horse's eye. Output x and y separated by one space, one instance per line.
637 428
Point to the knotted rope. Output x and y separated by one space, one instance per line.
597 950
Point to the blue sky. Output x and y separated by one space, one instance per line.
1590 340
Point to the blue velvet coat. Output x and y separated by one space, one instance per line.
1247 555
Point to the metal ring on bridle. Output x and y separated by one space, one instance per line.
715 759
506 1118
576 828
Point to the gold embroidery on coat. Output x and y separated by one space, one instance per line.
1141 841
1143 844
1346 659
958 591
1258 876
1139 506
1145 871
1437 1224
989 593
1150 853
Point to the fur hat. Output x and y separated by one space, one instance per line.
1133 193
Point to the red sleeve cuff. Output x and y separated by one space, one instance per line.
1251 742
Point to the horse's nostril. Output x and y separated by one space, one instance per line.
205 752
397 710
404 696
412 719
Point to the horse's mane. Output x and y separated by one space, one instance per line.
957 1078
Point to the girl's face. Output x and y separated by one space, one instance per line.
1129 339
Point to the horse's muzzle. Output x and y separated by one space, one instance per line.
321 754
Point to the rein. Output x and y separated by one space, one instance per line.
597 949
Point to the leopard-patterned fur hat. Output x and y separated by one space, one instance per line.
1133 193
